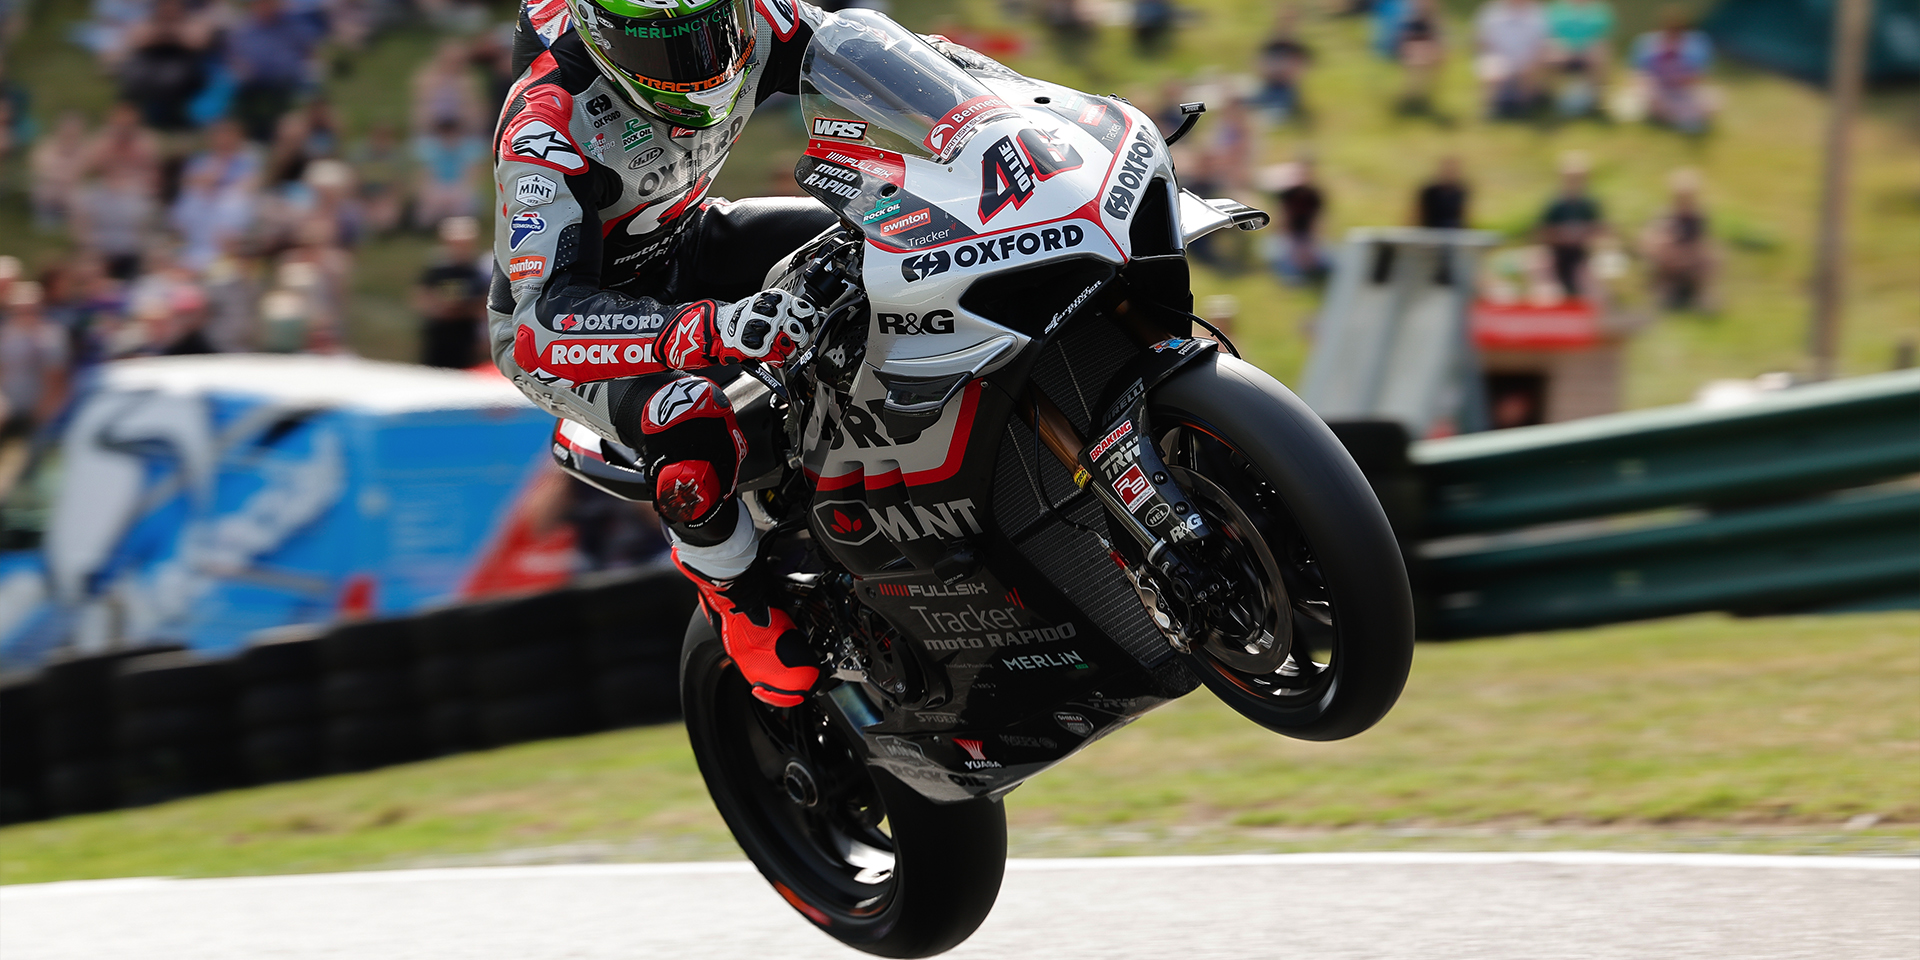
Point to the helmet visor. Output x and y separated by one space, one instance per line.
687 54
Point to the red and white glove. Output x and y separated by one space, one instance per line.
769 326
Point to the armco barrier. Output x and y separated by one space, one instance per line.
141 726
1795 501
1796 442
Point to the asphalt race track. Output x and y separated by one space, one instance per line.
1319 906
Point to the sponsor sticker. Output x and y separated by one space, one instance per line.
1106 443
524 224
839 129
1013 246
913 324
536 141
1133 487
636 133
529 267
976 751
1074 723
882 210
1132 176
534 190
872 161
952 131
919 217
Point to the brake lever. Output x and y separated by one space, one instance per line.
1192 112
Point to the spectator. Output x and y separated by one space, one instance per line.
1070 27
380 167
212 214
33 363
451 298
113 217
1283 59
1419 46
1510 37
1230 145
447 159
1672 63
123 143
55 170
446 93
1302 203
1153 22
320 271
228 162
270 53
1678 248
1578 31
493 53
165 66
1441 202
1569 226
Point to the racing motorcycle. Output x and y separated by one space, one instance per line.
1015 501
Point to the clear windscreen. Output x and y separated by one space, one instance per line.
863 64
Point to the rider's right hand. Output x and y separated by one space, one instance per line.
769 326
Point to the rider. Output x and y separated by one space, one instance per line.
615 275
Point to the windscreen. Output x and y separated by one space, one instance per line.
869 66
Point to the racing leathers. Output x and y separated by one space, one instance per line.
615 277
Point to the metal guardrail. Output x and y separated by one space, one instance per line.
1782 512
1799 441
1754 561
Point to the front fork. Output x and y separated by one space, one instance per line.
1126 471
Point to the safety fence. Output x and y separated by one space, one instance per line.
143 726
1801 500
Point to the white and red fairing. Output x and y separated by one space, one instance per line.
899 282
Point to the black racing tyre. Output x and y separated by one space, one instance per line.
444 677
635 694
82 787
1317 549
281 654
365 741
159 726
539 716
292 752
869 861
450 726
367 645
170 679
539 665
277 704
353 692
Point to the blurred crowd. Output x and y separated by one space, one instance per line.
219 203
1534 62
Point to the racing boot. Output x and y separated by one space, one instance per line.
772 653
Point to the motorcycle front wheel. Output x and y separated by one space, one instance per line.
862 856
1304 540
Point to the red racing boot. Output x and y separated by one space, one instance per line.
772 653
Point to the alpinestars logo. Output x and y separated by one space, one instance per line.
536 140
676 400
839 129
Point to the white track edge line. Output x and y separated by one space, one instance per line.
64 888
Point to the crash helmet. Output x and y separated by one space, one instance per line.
680 60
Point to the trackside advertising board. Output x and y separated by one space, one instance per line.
203 498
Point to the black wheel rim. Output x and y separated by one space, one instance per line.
810 800
1250 500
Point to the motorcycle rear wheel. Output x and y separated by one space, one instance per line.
1329 552
862 856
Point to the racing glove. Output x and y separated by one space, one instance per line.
769 326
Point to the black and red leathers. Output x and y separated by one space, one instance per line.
616 277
